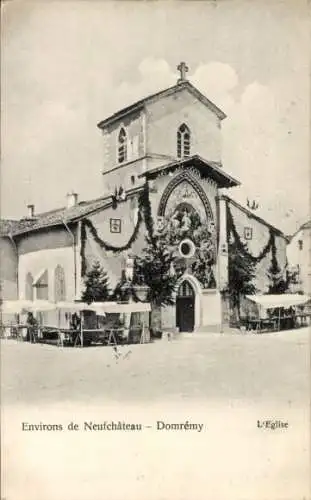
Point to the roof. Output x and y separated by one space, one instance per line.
7 226
281 300
209 169
55 217
306 225
159 95
51 218
251 214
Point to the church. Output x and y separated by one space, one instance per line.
162 152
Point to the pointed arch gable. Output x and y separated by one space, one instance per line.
185 176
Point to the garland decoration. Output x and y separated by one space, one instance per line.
241 247
275 269
86 223
144 213
82 249
145 208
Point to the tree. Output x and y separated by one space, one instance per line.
155 269
277 283
96 285
241 275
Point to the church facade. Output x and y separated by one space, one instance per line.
161 163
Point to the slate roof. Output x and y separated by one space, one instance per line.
58 216
306 225
158 95
7 226
52 218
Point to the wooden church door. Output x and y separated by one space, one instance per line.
185 307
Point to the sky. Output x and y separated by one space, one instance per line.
67 65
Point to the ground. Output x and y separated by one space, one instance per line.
204 367
226 381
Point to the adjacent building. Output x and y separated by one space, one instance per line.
299 259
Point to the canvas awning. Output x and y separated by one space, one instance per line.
40 306
20 306
284 300
115 307
74 306
100 308
14 306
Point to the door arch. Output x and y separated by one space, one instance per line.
185 307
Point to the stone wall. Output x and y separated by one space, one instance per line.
134 125
260 237
165 116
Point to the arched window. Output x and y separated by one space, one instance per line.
183 141
29 287
185 289
59 284
122 146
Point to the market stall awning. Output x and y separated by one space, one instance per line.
24 306
40 306
101 308
75 306
284 300
115 307
15 306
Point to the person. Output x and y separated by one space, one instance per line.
292 318
75 324
31 324
186 221
174 222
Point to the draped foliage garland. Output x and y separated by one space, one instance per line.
241 247
144 213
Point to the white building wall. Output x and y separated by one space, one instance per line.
49 259
211 309
35 262
299 257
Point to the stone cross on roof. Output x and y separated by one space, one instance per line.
183 69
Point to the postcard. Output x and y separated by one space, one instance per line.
155 250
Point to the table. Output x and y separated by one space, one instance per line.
17 331
260 324
111 334
304 318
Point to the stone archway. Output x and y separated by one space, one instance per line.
188 304
187 178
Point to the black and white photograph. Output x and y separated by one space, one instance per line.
155 236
